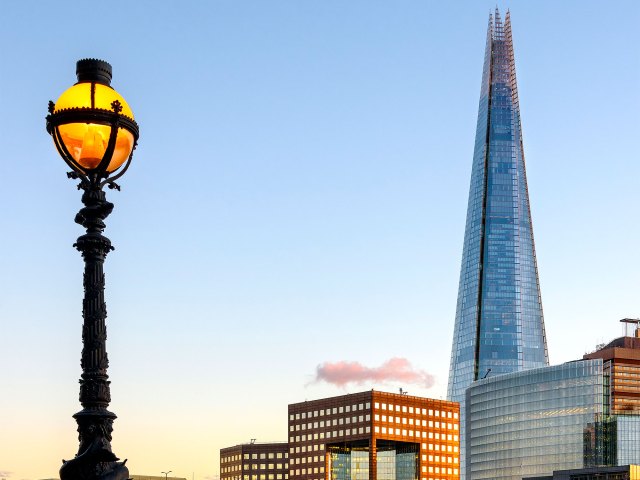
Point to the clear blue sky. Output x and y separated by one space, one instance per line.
298 197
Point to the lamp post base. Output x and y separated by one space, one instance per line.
95 460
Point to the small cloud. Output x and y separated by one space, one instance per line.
5 474
395 369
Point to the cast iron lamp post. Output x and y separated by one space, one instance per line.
95 134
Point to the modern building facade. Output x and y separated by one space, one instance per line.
374 436
255 461
533 422
579 415
499 325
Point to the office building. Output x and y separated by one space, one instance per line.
374 436
581 414
499 326
531 423
255 461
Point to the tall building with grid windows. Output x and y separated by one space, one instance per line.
499 326
374 436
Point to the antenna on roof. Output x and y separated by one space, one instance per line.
253 440
403 392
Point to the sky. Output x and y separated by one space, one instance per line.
293 217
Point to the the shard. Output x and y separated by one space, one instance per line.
499 325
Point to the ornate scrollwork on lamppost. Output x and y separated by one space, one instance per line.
95 133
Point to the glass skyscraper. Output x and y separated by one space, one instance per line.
499 325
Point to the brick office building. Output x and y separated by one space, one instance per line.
374 436
255 461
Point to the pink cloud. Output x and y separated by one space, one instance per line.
395 369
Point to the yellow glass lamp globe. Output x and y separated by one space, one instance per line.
85 142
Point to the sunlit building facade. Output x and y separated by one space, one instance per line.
621 359
374 436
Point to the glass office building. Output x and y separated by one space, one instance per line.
533 422
499 326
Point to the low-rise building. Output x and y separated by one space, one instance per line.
255 461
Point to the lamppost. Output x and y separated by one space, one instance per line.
95 133
166 474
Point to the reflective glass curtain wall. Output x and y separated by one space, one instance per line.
532 422
499 324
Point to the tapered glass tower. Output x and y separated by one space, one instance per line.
499 324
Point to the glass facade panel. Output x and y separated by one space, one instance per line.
394 461
533 422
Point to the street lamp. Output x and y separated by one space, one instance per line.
166 474
95 133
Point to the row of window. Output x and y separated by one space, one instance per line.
416 410
335 421
332 434
424 423
449 471
437 447
254 456
263 476
303 460
255 466
413 433
438 459
303 471
330 411
304 449
230 458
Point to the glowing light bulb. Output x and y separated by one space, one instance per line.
93 147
